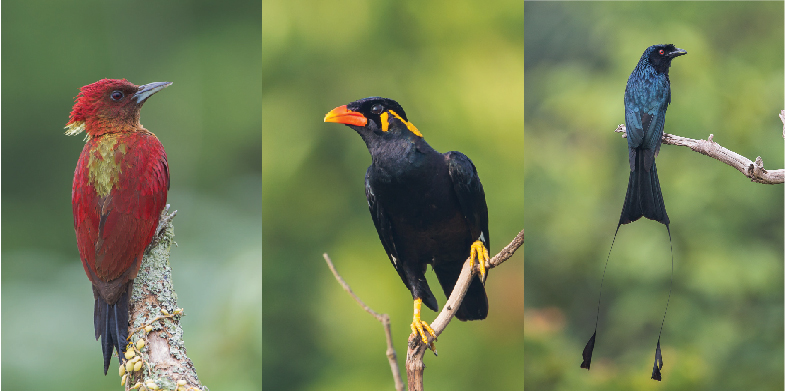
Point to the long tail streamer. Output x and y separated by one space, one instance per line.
589 349
655 373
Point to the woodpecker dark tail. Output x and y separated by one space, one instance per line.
111 325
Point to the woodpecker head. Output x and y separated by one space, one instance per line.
109 105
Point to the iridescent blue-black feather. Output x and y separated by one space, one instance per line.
646 101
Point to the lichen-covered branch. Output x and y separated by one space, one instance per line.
416 350
383 318
156 357
753 170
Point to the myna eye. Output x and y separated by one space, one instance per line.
377 109
117 95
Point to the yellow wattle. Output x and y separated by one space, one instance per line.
385 121
409 125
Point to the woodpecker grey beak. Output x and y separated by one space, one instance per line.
149 89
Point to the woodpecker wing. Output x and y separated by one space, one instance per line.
117 200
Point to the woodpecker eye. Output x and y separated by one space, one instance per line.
662 52
377 109
117 95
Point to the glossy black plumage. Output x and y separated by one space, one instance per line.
428 207
646 100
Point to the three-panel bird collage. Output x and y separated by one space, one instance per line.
226 243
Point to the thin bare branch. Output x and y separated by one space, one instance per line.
507 252
383 318
416 350
753 170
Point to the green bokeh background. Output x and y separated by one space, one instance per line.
724 328
457 70
210 123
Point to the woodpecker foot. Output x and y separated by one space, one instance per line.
480 254
419 327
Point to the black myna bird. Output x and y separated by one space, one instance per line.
428 207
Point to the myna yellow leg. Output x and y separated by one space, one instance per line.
479 253
419 326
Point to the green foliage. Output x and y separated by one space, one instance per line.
210 123
724 328
457 70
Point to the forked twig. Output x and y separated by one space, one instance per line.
383 318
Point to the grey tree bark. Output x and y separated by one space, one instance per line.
156 357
